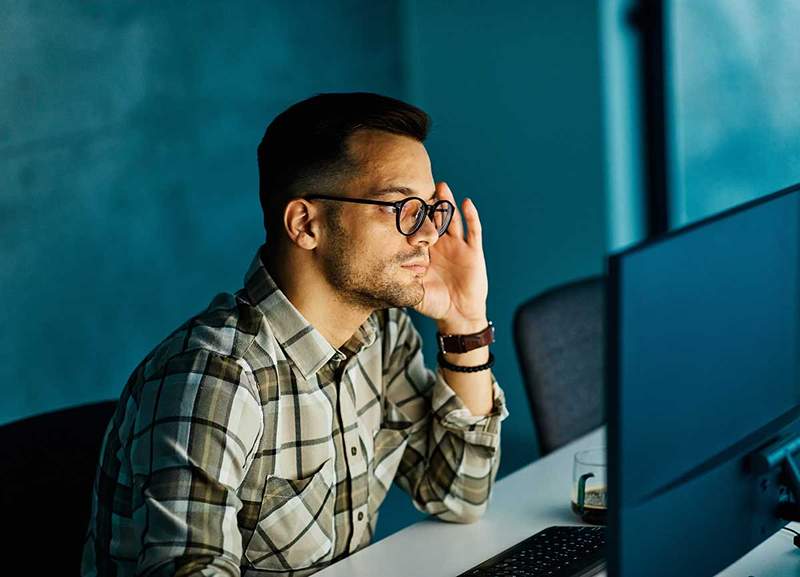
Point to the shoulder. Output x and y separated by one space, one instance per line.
227 327
221 334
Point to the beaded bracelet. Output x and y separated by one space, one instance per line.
459 369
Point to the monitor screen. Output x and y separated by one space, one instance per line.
703 350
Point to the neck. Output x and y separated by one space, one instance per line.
314 297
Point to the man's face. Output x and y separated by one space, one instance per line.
364 256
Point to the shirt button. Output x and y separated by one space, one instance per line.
360 516
353 451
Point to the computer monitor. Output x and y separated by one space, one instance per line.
703 390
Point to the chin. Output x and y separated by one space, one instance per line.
405 295
414 295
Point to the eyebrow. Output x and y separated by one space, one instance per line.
398 190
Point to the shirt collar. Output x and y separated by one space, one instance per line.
301 342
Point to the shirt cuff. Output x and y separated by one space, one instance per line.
453 414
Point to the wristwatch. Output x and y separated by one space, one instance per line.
465 343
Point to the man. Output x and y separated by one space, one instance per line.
261 436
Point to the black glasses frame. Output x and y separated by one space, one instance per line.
430 209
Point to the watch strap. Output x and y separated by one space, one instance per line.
466 343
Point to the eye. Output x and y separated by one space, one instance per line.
388 209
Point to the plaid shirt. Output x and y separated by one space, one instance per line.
246 443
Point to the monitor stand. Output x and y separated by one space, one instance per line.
781 455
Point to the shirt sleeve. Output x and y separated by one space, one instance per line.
451 459
197 427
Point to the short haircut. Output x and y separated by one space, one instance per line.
304 149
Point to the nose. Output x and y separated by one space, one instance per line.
427 233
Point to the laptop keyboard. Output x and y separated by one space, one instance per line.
573 551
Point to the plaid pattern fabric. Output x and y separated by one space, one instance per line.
245 443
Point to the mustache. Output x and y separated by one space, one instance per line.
414 257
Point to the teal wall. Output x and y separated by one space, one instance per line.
128 177
128 181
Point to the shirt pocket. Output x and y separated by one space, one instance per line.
295 527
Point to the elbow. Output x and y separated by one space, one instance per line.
464 513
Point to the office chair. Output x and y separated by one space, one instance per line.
559 338
47 468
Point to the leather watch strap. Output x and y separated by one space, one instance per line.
465 343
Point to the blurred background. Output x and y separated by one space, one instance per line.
128 134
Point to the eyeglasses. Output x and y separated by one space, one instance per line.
410 212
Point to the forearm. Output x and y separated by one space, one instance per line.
458 495
462 453
449 464
196 565
474 389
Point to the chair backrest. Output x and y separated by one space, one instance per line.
559 338
47 468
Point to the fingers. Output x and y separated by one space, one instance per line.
474 229
456 228
470 218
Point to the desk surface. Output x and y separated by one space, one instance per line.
522 503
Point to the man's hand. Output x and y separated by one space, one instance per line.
455 284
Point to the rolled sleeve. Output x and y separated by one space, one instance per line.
452 414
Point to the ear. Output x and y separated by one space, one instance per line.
301 221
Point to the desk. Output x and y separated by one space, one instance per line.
522 503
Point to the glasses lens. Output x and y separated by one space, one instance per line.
442 214
411 215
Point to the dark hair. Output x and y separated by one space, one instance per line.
304 148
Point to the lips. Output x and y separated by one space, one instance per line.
418 267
